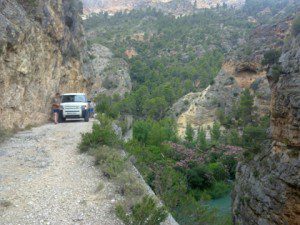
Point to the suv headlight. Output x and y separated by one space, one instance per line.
83 107
61 107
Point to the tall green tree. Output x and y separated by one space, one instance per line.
155 107
246 107
215 133
201 139
189 133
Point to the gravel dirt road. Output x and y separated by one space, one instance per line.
45 180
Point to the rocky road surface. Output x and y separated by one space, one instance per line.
45 180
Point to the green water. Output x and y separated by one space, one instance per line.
222 204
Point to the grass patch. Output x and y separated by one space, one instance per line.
100 187
4 134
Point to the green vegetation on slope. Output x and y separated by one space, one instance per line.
175 56
136 207
185 173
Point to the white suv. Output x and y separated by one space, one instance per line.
74 105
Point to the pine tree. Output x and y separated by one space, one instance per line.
246 107
201 139
189 133
215 133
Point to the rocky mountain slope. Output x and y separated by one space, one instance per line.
242 69
40 44
267 187
178 6
110 74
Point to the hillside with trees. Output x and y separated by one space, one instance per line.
170 57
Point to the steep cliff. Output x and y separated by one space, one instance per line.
40 44
267 189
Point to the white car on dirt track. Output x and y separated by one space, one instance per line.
74 105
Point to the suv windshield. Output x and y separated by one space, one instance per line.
73 98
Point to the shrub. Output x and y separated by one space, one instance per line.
144 213
296 26
92 57
110 161
215 133
109 83
230 163
129 186
253 136
219 189
201 139
151 132
141 130
108 105
271 57
190 212
218 171
276 71
199 178
102 134
171 186
246 106
233 138
189 133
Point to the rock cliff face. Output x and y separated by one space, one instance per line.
267 189
40 43
110 74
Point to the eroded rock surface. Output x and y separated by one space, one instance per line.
40 44
110 74
267 189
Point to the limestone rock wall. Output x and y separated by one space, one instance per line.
267 189
110 75
40 54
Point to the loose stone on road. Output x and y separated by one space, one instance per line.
45 180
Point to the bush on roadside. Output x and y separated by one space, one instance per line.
129 186
145 212
110 160
102 134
